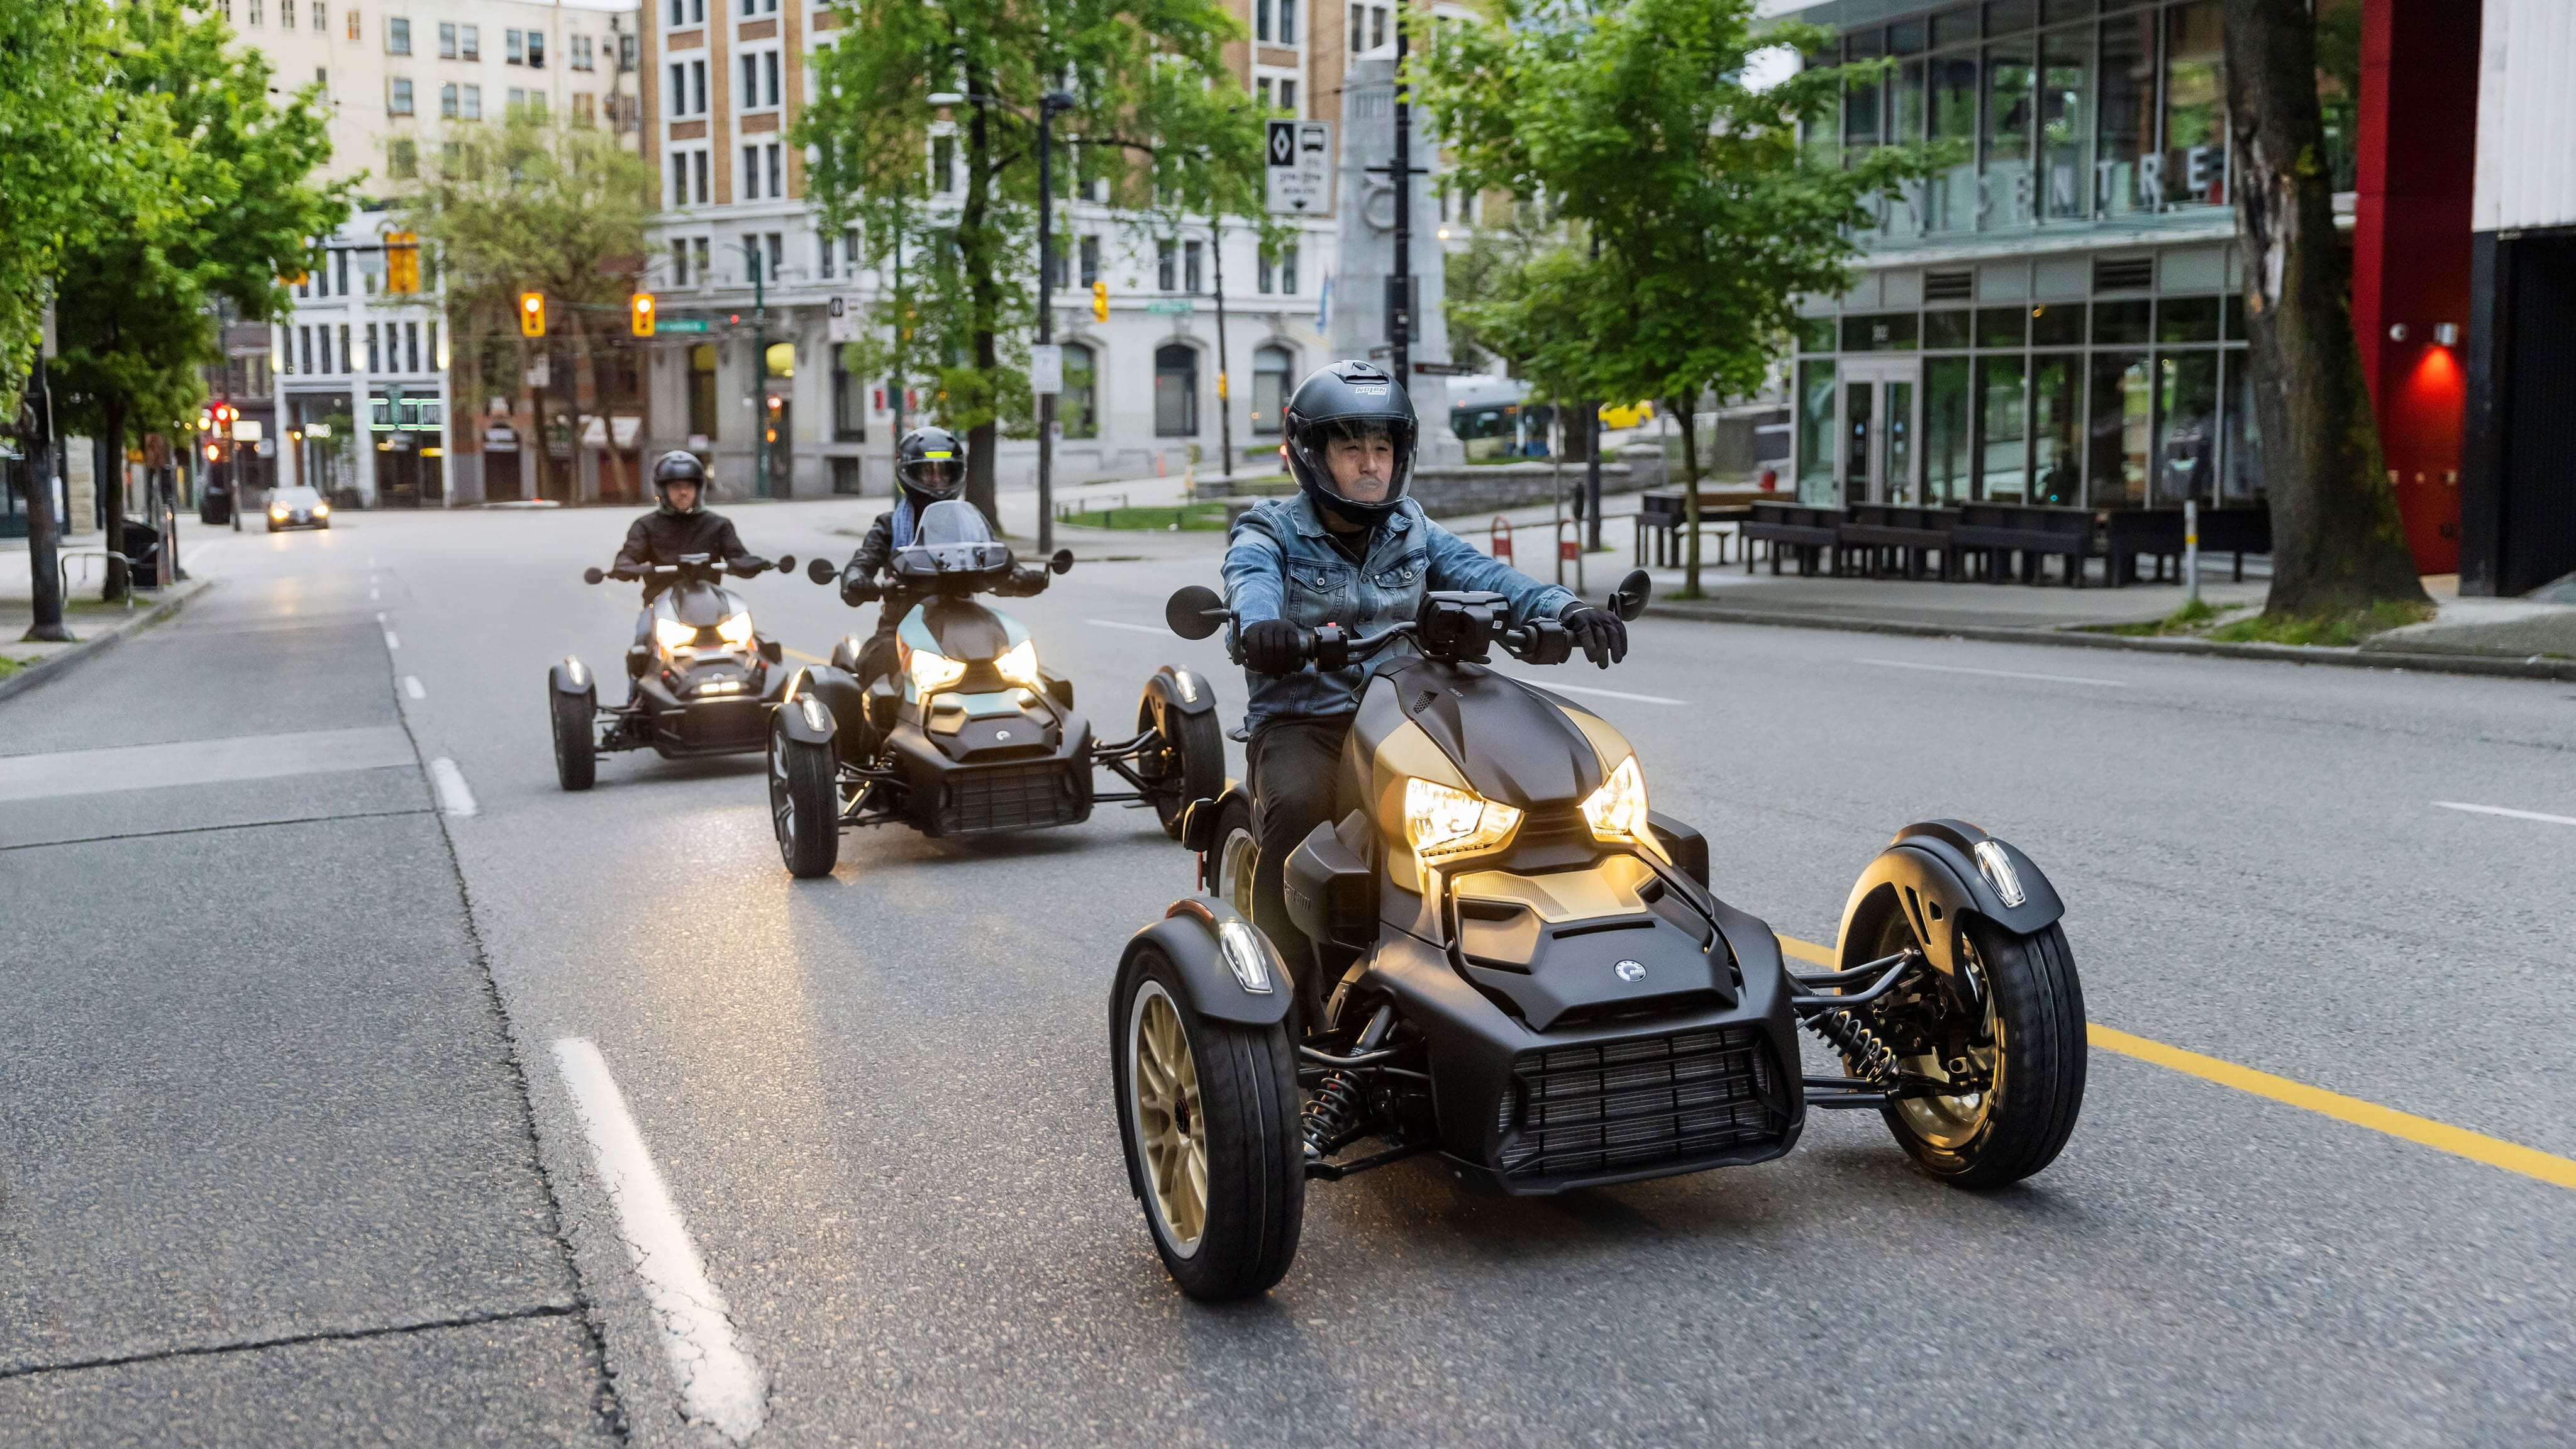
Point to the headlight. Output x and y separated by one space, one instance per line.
736 630
1020 664
933 672
321 510
1617 811
1443 822
277 510
673 634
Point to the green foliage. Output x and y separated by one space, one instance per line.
537 203
62 150
2335 630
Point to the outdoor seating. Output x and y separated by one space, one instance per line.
1901 536
1661 516
1998 534
1810 531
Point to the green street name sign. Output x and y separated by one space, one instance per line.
681 324
1171 306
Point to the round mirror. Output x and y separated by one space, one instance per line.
1630 599
592 576
820 571
1194 612
1062 562
787 563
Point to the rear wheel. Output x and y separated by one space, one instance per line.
804 803
1192 763
1209 1112
2012 1036
576 754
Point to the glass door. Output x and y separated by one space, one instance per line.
1881 415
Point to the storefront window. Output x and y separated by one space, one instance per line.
2006 198
2195 151
2123 409
2241 464
1951 194
2120 321
1816 433
2187 319
702 391
2057 324
1883 332
2056 413
2003 326
2066 121
1861 96
1946 405
1945 329
1270 380
1077 409
2128 113
2186 427
2003 438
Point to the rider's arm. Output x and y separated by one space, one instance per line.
729 545
638 548
870 558
1254 567
1455 564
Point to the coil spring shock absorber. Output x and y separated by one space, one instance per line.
1339 1108
1869 1057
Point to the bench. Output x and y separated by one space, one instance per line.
1661 513
1885 535
1996 533
1809 530
2130 534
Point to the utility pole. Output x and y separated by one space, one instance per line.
759 376
1048 105
1399 311
1224 407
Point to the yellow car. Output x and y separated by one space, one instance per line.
1635 415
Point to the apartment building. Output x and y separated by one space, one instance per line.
360 402
724 82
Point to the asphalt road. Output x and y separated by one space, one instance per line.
256 1089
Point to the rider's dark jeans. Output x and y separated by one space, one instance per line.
1295 766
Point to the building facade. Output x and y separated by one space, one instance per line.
724 82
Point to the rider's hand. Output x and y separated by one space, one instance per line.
1600 634
751 566
856 590
624 575
1274 646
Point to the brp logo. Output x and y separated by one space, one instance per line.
1631 970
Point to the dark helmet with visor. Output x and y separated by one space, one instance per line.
931 465
680 466
1350 404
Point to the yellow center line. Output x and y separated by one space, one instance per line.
801 654
2423 1131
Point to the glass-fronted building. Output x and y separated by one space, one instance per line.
2052 318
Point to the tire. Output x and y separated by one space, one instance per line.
1232 1117
804 803
576 753
2034 1018
1194 752
1234 859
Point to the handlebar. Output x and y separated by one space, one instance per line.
1458 627
1014 581
696 565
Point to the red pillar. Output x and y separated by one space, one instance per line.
2410 252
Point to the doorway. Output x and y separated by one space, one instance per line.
1882 417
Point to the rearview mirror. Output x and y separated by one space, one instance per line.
592 576
786 562
1062 563
820 571
1629 599
1194 612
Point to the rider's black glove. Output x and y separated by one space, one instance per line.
857 590
1600 634
1273 646
749 567
624 575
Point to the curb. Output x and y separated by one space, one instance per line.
2354 658
61 661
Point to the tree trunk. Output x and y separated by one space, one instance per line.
2337 544
112 498
1690 495
985 294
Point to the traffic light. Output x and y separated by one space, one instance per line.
639 314
402 263
532 314
1100 301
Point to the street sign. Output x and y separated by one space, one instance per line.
1046 369
1171 307
680 324
1299 167
1442 369
843 325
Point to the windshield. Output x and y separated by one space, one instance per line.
952 538
297 497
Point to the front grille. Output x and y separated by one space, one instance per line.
1008 797
720 721
1626 1105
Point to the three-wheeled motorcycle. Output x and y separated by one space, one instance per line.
963 731
700 678
1518 965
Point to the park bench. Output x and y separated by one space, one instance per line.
1998 533
1897 535
1809 530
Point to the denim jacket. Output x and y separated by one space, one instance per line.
1279 564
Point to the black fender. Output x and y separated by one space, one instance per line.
1199 817
1189 934
1686 847
1931 875
1173 687
804 714
573 677
840 692
845 654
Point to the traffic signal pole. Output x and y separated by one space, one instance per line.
1048 105
760 378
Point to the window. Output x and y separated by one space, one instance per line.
304 339
471 107
581 109
515 45
518 100
254 14
698 165
375 358
943 163
2186 453
447 100
447 40
675 12
1816 433
1077 408
698 86
2065 122
751 173
849 395
403 158
399 102
1946 416
702 391
2056 413
1190 252
581 52
1272 369
1260 19
777 250
1090 252
2195 154
411 347
286 14
2126 117
2006 199
679 179
469 42
679 90
1288 269
680 245
536 50
1166 262
353 22
397 36
1176 391
1287 22
321 22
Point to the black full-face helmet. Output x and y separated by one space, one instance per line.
1349 402
931 465
680 466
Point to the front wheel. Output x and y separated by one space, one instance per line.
804 803
1208 1110
576 754
1193 761
2014 1039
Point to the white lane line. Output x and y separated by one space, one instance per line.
2508 814
392 640
373 596
1132 628
453 797
411 686
371 560
1994 673
719 1383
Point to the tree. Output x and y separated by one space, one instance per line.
1633 119
2337 544
220 206
57 113
537 204
1144 77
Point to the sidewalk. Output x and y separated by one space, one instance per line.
94 624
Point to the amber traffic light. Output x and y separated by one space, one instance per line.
1100 301
532 314
639 314
402 263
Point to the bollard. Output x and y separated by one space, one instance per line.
2191 548
1499 537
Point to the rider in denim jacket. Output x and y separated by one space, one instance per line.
1349 549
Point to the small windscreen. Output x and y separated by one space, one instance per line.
952 537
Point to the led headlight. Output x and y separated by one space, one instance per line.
1617 811
736 629
672 634
277 510
1443 822
933 672
321 510
1020 663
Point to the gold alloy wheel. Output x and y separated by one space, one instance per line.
1171 1129
1951 1123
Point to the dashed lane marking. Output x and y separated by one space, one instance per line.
1130 628
453 797
2507 814
411 686
719 1383
2513 1157
1994 673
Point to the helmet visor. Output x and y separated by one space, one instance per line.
937 474
1363 460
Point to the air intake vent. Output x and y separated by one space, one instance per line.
1949 286
2123 274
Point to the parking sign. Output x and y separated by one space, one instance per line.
1299 157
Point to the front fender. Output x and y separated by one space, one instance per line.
1175 688
1188 935
804 715
572 677
839 690
1931 876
